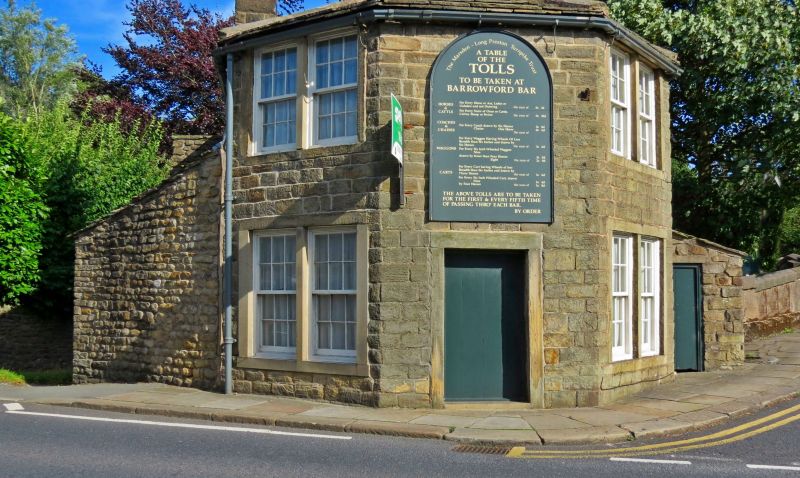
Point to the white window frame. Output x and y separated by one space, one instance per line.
330 355
620 106
313 93
649 296
622 317
258 102
265 351
647 117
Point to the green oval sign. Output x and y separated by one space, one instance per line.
491 155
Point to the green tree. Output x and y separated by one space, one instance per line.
37 61
22 212
790 232
735 113
91 167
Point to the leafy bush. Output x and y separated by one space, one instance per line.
790 232
91 168
22 212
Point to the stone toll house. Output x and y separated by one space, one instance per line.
347 288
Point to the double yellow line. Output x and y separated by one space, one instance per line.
723 437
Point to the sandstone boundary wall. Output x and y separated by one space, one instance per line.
771 302
31 343
147 281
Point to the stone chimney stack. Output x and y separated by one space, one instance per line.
254 10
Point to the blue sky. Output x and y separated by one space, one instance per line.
96 23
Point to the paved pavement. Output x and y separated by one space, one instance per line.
693 401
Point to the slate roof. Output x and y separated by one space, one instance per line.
593 8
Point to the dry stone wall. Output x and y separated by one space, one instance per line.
723 315
147 282
771 302
29 342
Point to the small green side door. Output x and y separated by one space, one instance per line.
485 326
688 317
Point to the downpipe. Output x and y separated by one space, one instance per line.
227 270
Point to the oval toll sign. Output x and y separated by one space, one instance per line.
491 155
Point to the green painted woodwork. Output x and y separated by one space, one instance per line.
688 317
485 326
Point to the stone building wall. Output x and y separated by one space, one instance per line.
723 315
771 302
595 194
147 283
29 342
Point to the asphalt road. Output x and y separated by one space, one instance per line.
53 446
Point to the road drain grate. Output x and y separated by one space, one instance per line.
483 449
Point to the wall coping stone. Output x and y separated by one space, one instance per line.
770 280
683 236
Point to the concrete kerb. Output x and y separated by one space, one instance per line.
656 428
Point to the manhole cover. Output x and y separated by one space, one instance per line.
483 449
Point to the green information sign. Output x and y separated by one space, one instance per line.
491 154
397 129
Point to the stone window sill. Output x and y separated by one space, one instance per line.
350 369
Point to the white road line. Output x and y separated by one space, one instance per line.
184 425
645 460
13 407
774 467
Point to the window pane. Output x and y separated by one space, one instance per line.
339 308
322 76
349 241
325 105
266 63
265 279
291 83
337 73
349 276
338 335
351 336
335 276
337 49
266 86
339 126
335 247
350 71
339 102
321 249
277 249
265 256
324 335
350 47
278 277
268 333
351 308
291 269
322 52
324 128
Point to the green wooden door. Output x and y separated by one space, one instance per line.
688 317
485 326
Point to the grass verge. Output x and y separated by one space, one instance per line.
13 378
39 377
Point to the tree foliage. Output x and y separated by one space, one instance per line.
735 111
21 213
166 63
37 61
790 232
92 167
